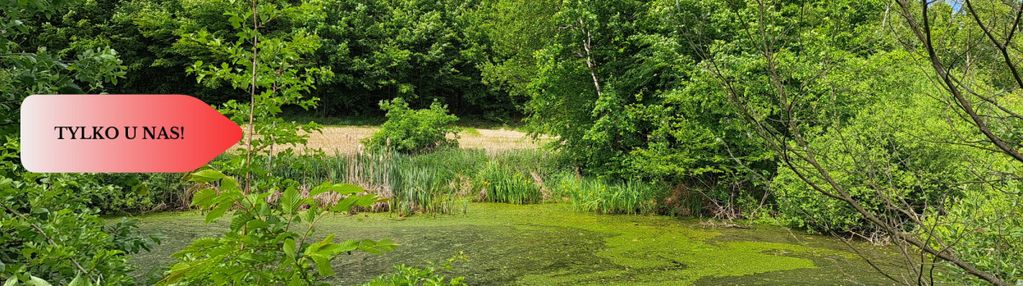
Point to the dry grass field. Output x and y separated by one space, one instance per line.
347 139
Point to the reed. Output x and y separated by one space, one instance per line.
426 183
596 195
444 181
500 183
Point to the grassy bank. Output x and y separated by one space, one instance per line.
446 180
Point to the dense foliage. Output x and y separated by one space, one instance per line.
834 117
272 223
618 83
820 112
414 131
422 51
48 231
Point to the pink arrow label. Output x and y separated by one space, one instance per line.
121 133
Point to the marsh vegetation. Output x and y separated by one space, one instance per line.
453 142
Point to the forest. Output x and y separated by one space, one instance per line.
539 142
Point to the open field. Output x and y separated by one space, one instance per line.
551 244
346 140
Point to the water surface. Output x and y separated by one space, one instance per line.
552 244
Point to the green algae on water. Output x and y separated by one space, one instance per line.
551 244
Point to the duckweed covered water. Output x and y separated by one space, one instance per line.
551 244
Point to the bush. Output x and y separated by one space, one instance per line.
413 131
131 193
270 240
988 228
48 232
802 207
890 150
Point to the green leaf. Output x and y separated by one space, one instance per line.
36 281
204 198
290 200
322 188
181 269
206 176
335 249
344 205
256 224
323 266
377 247
229 183
366 200
289 248
235 21
79 281
218 211
355 201
310 215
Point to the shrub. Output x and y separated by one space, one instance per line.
48 232
413 131
889 151
988 228
802 207
131 193
270 240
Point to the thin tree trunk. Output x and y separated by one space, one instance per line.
252 99
591 64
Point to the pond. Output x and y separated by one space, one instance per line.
552 244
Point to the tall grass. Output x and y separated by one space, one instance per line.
595 195
436 182
499 183
444 181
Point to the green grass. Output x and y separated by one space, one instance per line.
501 184
594 195
436 182
444 181
470 131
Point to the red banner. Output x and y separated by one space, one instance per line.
121 133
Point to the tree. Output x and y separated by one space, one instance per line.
48 233
985 91
789 79
420 51
261 246
29 66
